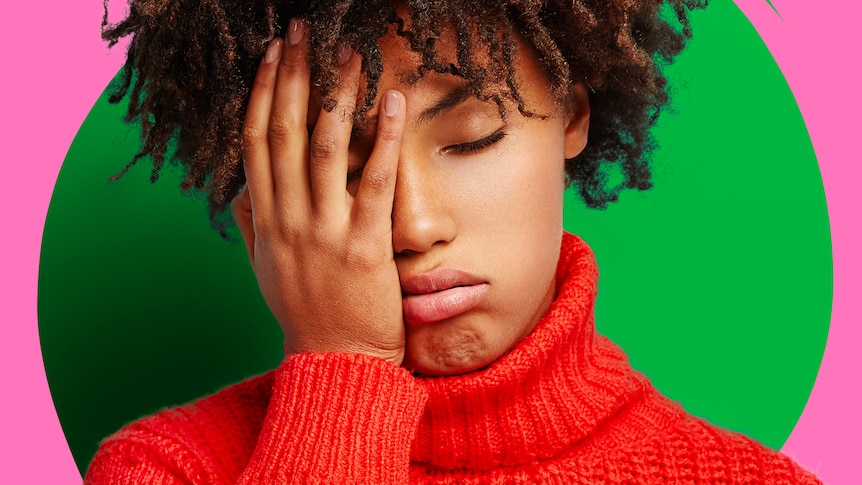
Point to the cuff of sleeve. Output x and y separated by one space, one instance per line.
338 418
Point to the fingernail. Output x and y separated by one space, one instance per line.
273 52
295 31
343 54
391 104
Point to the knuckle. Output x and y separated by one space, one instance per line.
281 128
318 235
323 147
345 106
386 133
287 230
284 233
252 135
291 63
378 179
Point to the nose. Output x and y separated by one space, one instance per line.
422 212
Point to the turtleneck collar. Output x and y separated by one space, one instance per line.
552 390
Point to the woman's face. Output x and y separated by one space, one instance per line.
477 215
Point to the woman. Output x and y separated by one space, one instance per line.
403 169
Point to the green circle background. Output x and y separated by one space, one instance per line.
717 282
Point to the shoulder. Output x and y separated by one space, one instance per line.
211 437
696 448
655 440
734 456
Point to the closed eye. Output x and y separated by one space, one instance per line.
476 146
459 149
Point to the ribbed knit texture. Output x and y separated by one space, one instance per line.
563 406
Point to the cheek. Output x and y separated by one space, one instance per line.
514 217
525 191
530 218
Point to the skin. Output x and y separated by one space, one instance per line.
334 225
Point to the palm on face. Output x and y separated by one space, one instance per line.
322 257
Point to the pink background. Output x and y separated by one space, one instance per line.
43 40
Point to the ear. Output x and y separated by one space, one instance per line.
240 207
578 121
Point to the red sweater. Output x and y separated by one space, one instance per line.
563 406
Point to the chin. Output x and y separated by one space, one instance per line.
446 368
457 352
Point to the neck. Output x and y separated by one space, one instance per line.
553 390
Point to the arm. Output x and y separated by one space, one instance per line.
360 431
341 409
321 249
331 418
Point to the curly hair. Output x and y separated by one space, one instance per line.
191 64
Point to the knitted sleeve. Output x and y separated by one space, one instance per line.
332 418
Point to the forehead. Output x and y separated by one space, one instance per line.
425 82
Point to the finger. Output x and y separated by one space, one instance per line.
243 214
255 143
374 197
288 133
330 141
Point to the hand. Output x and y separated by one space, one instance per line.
323 258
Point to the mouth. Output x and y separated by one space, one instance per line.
441 294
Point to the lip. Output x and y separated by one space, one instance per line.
441 294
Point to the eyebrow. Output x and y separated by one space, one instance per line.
453 99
